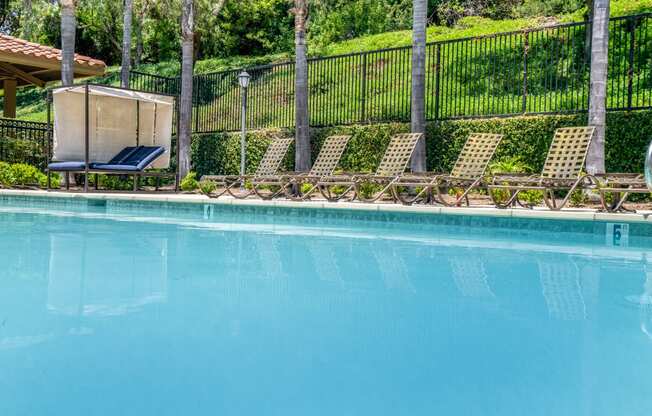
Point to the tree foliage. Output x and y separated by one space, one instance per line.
244 27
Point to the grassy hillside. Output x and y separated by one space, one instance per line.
466 27
325 88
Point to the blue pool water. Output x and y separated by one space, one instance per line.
120 309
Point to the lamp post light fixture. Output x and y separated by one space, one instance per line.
243 80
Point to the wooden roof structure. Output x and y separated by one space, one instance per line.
30 63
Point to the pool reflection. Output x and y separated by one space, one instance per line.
216 321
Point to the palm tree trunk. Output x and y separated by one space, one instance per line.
595 162
589 33
26 20
126 43
418 125
185 102
302 138
140 16
68 28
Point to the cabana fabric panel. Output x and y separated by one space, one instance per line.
117 119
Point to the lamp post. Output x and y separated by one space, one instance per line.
243 80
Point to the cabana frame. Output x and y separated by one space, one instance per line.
87 169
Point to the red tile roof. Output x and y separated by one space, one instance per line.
10 44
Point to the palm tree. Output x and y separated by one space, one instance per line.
302 140
126 43
68 28
140 17
598 89
418 116
185 101
26 20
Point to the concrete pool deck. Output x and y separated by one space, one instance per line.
573 214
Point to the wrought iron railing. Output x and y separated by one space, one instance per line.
24 142
535 71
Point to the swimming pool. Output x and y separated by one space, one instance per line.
134 308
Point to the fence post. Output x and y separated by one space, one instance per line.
631 26
363 90
195 104
526 46
437 62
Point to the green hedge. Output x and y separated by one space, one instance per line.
528 137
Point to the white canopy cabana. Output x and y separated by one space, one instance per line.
108 119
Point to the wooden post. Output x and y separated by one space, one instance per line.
9 109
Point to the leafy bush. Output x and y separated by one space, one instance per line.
21 174
548 7
25 175
6 175
55 181
207 187
514 165
190 183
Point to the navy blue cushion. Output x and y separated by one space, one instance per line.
66 166
124 154
108 166
144 156
137 160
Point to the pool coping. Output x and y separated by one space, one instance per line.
568 214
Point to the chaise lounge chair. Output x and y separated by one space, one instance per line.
562 171
392 166
266 173
129 161
615 189
468 173
326 162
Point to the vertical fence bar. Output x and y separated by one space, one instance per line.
437 64
631 25
363 89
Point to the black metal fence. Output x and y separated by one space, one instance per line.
534 71
23 142
143 81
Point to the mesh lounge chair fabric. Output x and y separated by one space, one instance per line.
468 172
562 171
325 164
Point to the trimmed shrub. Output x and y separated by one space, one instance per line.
6 175
25 175
189 183
21 174
207 187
